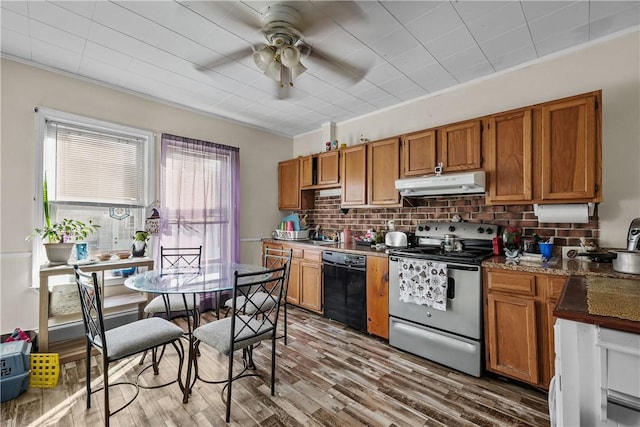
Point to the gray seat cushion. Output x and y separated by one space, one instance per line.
218 334
140 335
262 300
176 303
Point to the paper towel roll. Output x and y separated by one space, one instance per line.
575 212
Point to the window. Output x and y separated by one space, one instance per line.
95 171
199 197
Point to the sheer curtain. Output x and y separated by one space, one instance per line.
200 194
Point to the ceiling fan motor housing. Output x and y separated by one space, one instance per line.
280 25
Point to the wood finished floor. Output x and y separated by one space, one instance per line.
328 375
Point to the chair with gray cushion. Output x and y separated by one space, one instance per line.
273 258
250 323
183 260
121 342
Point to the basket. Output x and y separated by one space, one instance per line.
45 370
291 235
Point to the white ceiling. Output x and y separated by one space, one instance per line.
186 52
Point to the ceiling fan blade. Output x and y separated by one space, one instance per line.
225 59
351 72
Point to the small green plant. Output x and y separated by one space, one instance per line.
67 230
141 236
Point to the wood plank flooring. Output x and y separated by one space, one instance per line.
328 375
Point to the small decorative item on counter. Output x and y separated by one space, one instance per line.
512 238
139 245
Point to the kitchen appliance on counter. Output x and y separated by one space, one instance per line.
633 236
398 239
453 337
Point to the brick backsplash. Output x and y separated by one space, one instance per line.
331 218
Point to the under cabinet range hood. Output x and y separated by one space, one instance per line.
452 183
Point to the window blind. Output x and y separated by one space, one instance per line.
96 167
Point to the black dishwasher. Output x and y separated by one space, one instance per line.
345 288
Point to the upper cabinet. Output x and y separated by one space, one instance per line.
545 153
383 159
509 157
353 173
569 147
457 147
329 168
308 171
368 173
290 195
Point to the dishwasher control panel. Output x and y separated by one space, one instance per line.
343 258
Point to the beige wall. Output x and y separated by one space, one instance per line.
23 87
612 65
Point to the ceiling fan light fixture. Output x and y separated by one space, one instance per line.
264 57
273 70
296 70
290 56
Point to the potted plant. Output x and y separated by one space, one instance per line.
59 237
139 243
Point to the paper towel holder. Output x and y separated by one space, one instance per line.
591 206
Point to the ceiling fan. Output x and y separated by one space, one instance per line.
281 57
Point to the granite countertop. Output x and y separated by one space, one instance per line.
341 247
573 305
561 267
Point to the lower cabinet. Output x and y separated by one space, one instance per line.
519 324
305 276
378 296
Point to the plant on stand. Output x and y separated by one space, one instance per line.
60 237
139 243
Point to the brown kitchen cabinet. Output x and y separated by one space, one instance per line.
569 146
456 146
368 173
419 153
518 326
307 171
290 194
353 173
383 161
545 153
305 276
459 146
329 168
509 157
378 296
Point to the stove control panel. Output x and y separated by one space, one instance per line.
461 230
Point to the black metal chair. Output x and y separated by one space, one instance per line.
121 342
250 323
184 260
273 258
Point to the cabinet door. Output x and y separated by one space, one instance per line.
384 169
378 296
329 168
306 171
569 149
289 184
459 146
311 286
512 336
353 173
509 157
419 153
293 292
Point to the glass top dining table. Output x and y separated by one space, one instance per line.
214 277
207 278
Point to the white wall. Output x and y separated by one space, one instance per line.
612 65
24 87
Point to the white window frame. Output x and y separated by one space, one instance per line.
41 116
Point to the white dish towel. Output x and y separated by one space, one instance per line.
423 282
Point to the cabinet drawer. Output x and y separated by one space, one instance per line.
311 255
519 283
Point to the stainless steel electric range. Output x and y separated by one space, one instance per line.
453 337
